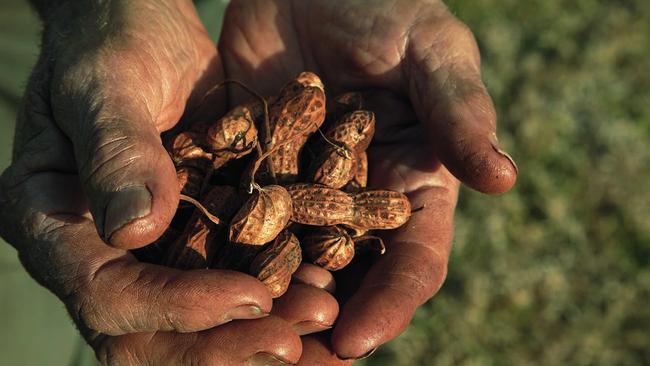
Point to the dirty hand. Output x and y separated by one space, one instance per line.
419 69
89 170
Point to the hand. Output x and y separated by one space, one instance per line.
88 159
420 70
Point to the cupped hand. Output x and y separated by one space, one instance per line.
419 68
89 169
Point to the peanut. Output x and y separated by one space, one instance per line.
275 265
329 247
262 217
320 205
190 180
360 179
300 106
233 135
354 130
201 238
334 167
370 210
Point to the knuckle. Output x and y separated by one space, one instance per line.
463 41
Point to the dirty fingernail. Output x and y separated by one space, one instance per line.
125 206
365 355
494 141
266 359
308 327
246 312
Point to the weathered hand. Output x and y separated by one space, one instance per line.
88 158
420 70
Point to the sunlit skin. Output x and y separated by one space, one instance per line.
89 168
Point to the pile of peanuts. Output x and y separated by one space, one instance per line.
261 191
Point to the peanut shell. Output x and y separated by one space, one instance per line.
320 205
262 217
380 209
329 247
196 246
334 167
275 264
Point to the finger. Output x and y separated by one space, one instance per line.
150 297
443 72
411 272
307 308
317 351
105 288
114 126
262 342
44 215
313 275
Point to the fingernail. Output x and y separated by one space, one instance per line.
308 327
266 359
246 312
125 206
364 356
495 145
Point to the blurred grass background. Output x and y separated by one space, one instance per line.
556 272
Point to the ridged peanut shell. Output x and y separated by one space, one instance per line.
380 209
355 129
360 179
275 264
320 205
334 167
262 217
233 135
185 150
298 109
329 247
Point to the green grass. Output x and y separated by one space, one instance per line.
557 271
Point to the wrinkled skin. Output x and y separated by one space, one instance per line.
419 69
89 169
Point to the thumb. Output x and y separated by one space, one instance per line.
126 174
457 111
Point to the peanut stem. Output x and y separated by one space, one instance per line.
338 148
201 208
275 148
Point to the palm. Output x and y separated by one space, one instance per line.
266 43
353 46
